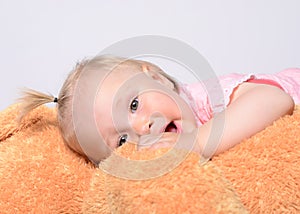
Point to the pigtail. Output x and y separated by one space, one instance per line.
32 99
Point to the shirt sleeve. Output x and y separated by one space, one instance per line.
205 98
213 95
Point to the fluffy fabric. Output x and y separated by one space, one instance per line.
39 174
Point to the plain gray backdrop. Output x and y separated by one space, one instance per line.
41 40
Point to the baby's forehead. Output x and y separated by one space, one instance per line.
123 72
126 67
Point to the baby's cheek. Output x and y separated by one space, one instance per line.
112 145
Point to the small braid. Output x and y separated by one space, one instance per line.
32 99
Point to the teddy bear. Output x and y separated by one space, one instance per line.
40 174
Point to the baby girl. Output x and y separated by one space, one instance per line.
133 100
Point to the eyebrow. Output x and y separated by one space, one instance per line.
113 136
118 102
109 139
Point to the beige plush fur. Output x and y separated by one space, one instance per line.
39 174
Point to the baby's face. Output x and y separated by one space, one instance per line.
131 104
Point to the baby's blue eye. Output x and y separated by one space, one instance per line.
134 105
122 140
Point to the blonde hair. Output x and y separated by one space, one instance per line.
31 99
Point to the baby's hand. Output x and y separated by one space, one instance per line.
168 139
164 140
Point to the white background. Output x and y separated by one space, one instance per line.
41 40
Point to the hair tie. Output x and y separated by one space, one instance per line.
55 100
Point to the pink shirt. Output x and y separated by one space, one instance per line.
213 95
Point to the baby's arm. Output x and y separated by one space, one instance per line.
252 108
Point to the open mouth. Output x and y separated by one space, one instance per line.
171 127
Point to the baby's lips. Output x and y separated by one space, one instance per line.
185 126
178 126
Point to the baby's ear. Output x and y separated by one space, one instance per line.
161 77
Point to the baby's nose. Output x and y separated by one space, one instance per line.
141 125
149 125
